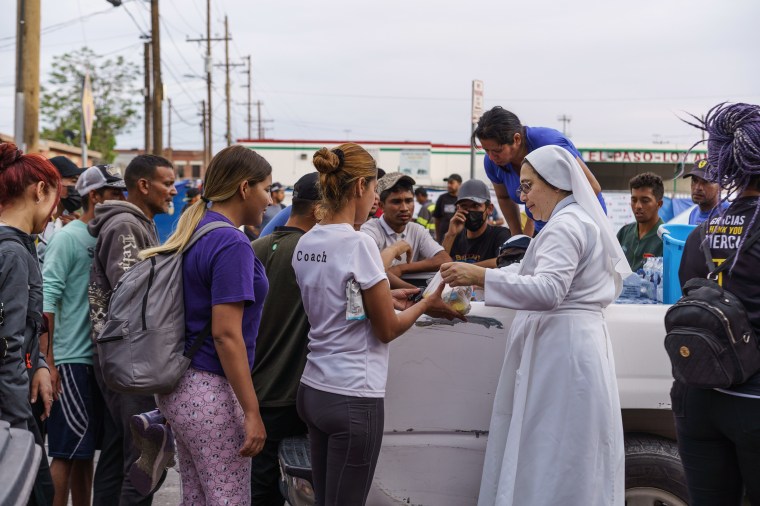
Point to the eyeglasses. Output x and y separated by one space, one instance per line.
524 188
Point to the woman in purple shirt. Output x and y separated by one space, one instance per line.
214 411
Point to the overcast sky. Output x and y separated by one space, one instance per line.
402 70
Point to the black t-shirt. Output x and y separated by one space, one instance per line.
281 344
445 209
743 279
481 248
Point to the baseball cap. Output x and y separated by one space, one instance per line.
475 190
307 187
391 179
100 176
65 167
454 177
276 187
699 169
518 241
190 194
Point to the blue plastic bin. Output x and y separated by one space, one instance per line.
673 239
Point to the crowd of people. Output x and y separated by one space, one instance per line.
293 326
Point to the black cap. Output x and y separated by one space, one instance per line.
699 169
276 187
307 188
66 167
454 177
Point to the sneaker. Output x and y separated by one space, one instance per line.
155 442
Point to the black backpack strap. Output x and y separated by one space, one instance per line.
705 247
199 341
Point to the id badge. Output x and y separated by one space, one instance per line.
354 302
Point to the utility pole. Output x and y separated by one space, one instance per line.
146 92
227 66
158 85
209 68
27 75
249 95
169 125
205 131
210 121
258 113
261 120
565 120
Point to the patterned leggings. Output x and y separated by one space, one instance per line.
208 427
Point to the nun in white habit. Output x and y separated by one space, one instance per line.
556 434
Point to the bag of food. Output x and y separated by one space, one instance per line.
458 298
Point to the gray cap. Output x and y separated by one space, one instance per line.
391 179
475 190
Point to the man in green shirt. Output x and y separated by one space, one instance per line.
281 341
65 277
639 239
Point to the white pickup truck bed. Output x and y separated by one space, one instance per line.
441 383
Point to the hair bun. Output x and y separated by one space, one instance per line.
9 154
326 161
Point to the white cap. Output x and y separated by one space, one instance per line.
100 176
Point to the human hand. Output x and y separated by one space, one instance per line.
68 218
437 308
463 274
55 381
402 247
255 435
42 388
456 225
401 297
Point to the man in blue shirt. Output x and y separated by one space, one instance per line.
703 193
506 142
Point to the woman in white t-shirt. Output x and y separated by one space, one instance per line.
351 311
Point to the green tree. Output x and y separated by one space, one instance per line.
115 91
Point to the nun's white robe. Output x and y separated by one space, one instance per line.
556 434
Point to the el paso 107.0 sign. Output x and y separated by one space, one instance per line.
641 156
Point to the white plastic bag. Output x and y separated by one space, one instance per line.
458 298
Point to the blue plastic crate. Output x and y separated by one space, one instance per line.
673 240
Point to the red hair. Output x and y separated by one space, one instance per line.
18 171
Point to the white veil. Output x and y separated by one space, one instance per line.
560 168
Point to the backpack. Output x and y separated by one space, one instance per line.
142 345
710 340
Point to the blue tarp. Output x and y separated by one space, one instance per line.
166 223
673 207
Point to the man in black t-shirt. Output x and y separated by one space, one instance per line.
470 238
282 340
445 206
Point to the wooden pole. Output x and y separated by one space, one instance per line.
227 81
158 85
146 93
209 68
28 75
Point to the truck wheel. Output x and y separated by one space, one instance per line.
654 475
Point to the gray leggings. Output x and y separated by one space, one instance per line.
345 435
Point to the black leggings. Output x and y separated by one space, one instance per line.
719 443
345 435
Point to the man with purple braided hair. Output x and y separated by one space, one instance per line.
719 429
